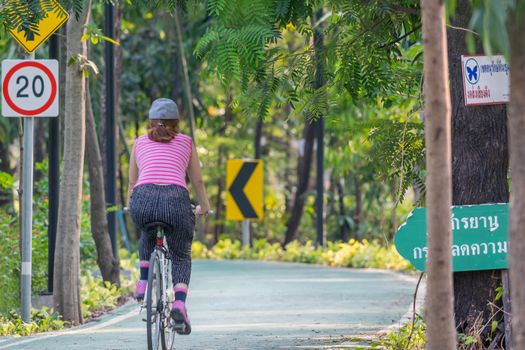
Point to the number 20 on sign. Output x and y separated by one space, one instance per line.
30 88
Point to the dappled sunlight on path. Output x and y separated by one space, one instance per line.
254 305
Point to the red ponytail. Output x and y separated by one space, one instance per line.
163 130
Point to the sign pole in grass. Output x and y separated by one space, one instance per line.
29 90
245 233
27 216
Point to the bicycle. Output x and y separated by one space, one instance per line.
161 328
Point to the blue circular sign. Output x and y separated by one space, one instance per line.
472 71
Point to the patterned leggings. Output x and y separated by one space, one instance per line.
169 204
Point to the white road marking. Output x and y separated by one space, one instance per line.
88 329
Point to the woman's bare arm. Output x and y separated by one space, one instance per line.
133 173
194 173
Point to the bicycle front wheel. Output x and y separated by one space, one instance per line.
154 303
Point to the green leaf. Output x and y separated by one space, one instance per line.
494 326
499 294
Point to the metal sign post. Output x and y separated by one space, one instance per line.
29 89
245 233
27 215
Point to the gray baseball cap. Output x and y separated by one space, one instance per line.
163 108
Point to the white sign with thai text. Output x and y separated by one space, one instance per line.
486 80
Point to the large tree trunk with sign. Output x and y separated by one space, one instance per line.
108 264
66 287
479 175
439 316
516 32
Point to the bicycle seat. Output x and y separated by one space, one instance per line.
151 227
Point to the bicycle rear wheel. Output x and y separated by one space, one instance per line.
168 334
154 303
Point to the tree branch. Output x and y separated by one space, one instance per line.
401 37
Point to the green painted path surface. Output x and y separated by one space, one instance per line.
255 305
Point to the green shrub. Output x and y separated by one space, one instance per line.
43 320
9 262
97 295
356 254
406 337
129 271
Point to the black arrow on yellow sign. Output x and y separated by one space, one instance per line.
237 190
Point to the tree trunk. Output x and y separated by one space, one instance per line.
358 216
102 124
304 164
108 264
287 167
257 142
119 51
67 256
441 334
394 190
184 65
344 230
219 204
320 62
177 94
303 178
479 173
516 29
40 147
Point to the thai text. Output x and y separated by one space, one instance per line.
478 93
474 249
495 67
476 222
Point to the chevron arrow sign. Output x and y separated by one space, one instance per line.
244 180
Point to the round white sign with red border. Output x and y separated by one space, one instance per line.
30 88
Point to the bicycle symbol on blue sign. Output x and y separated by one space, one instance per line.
472 71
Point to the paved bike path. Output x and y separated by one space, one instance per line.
255 305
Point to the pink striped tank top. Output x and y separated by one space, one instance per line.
163 163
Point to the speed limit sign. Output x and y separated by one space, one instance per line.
30 88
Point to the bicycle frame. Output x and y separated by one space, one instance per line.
165 266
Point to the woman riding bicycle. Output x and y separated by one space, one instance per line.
158 192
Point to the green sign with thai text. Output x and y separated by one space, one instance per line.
479 237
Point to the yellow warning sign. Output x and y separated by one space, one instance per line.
244 199
43 30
